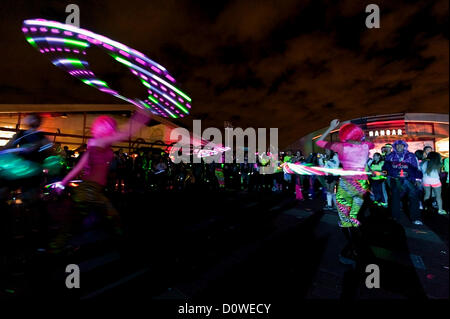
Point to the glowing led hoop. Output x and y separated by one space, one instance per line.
291 168
66 45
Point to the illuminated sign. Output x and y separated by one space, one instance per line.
377 133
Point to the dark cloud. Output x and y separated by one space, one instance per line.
289 64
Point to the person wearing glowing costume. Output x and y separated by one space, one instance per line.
353 152
96 161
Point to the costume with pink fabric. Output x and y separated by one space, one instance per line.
353 153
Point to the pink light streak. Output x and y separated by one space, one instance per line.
170 78
155 69
124 53
109 47
140 61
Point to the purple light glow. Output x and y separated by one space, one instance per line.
140 65
124 53
188 105
90 40
140 61
108 46
108 91
170 78
155 69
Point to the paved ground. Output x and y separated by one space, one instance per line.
218 246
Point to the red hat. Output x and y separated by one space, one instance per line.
351 132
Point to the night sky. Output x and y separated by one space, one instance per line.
294 65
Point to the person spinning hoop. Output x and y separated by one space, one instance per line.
353 152
21 166
96 161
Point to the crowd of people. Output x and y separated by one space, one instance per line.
390 175
422 176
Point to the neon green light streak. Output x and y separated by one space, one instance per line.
146 84
123 61
31 41
75 42
146 105
181 107
153 99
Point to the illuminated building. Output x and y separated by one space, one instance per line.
417 129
